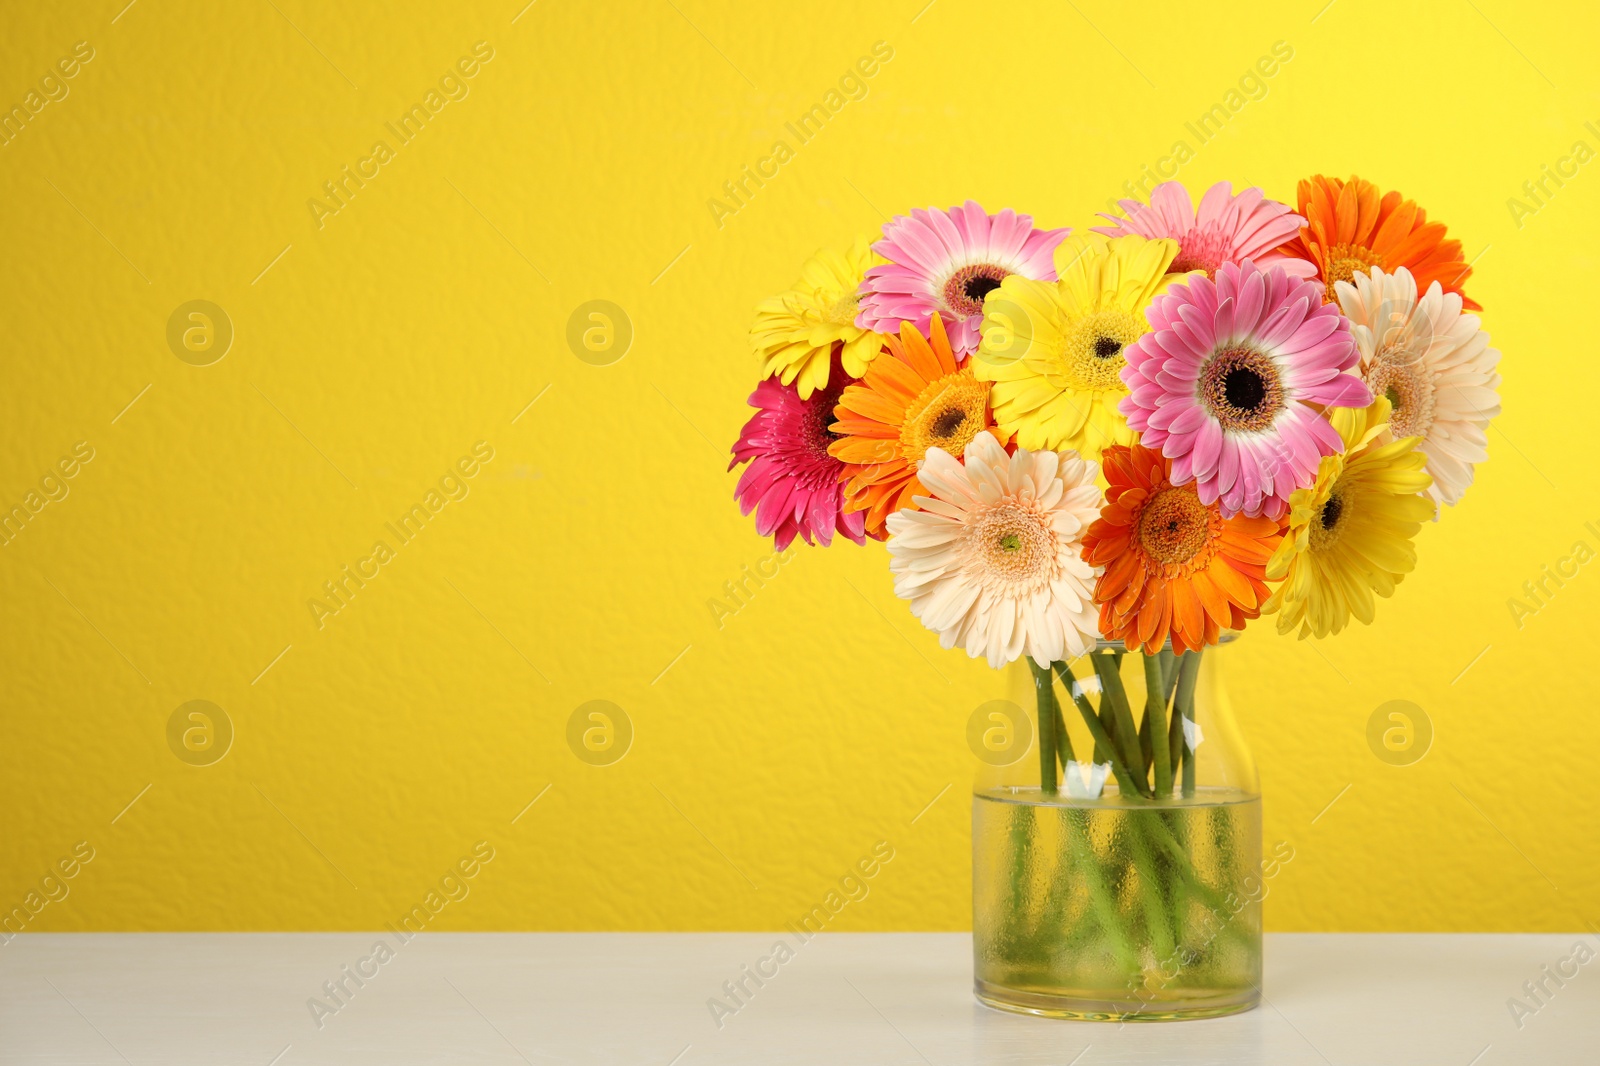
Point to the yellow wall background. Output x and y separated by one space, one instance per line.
772 747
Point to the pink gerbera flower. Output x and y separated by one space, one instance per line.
792 483
945 263
1231 380
1227 228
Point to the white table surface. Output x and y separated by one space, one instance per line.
879 999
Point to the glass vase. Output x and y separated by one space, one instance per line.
1116 864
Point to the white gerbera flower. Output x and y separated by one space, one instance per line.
993 561
1435 366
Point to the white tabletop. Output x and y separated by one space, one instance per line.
879 999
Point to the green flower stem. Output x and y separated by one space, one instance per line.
1017 830
1045 693
1063 741
1158 919
1179 888
1184 865
1188 676
1155 718
1126 734
1129 785
1175 748
1087 865
1140 900
1102 749
1147 750
1169 674
1169 681
1108 710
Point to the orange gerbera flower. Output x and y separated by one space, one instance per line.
1173 566
913 397
1351 228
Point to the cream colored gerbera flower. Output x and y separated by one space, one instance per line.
1433 364
1350 533
1054 349
795 332
993 562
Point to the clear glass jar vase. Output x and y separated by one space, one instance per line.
1116 866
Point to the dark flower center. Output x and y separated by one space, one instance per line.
977 288
1244 388
1241 389
1106 347
1331 512
947 422
816 424
966 288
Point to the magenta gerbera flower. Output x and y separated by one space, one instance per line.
792 483
945 263
1231 380
1226 229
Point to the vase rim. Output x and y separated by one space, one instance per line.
1030 796
1228 636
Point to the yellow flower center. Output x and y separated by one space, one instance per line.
1344 261
843 310
1409 391
1175 526
1015 543
1091 358
946 414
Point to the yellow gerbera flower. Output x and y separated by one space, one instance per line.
1350 533
795 332
1054 348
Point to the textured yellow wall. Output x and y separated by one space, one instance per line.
377 347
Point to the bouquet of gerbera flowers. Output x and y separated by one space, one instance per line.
1149 433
